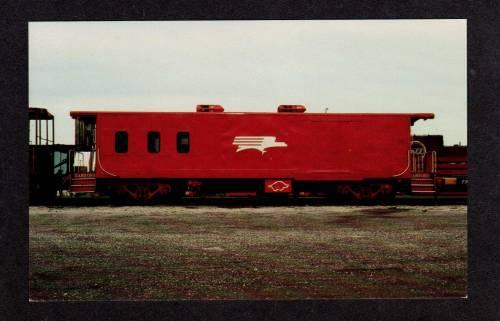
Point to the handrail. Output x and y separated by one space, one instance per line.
39 139
100 165
407 167
46 139
433 160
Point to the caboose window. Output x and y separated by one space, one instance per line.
183 142
121 142
153 142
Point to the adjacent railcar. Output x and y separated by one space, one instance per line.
49 164
450 165
147 155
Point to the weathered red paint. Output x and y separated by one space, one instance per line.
304 147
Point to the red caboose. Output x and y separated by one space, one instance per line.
144 155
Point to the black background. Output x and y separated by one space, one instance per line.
483 37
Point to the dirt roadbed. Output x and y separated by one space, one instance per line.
205 252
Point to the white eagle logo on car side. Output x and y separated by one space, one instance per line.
259 143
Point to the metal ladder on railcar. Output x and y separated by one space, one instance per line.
423 169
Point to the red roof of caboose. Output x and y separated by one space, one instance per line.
414 116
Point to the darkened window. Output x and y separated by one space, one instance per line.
183 142
121 142
153 142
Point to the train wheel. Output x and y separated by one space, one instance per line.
141 192
366 193
388 198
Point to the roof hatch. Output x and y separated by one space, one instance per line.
291 109
209 108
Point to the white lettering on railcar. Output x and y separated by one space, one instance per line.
259 143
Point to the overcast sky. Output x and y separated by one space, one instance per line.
345 66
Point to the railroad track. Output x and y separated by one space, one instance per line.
253 202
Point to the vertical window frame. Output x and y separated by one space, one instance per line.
121 142
151 142
181 147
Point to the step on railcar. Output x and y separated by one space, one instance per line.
159 155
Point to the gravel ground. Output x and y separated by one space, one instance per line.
204 252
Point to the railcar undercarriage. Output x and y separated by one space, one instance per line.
151 190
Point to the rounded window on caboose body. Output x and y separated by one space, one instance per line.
121 142
153 142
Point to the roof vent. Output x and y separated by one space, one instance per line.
291 109
209 108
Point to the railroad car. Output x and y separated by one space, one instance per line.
49 167
449 168
148 155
